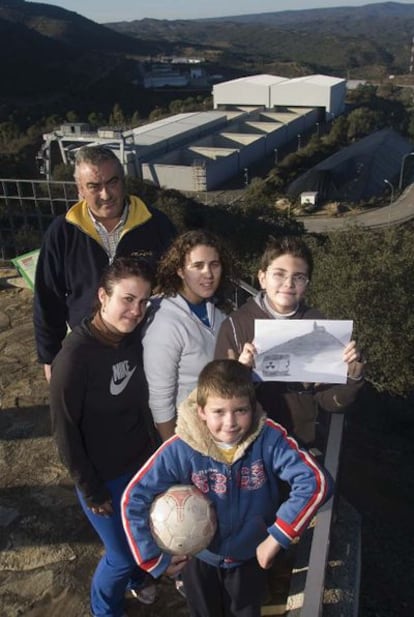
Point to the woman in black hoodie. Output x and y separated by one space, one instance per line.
101 422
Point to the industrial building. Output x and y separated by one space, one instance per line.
199 151
272 92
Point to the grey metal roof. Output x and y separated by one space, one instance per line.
173 126
356 173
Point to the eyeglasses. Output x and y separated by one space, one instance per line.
299 279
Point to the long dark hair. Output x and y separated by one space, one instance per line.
123 268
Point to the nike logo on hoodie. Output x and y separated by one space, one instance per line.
120 378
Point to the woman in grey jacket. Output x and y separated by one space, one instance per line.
181 334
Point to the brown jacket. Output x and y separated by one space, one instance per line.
295 405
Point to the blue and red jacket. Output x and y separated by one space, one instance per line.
245 493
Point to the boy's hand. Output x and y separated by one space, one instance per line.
247 355
267 551
177 563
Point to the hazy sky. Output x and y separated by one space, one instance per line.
127 10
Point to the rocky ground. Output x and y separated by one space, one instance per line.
48 550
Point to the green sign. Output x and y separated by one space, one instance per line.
26 266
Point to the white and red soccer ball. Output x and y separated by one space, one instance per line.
182 520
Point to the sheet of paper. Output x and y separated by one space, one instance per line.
305 350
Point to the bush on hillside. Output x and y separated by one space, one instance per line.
367 276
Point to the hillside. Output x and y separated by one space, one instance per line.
59 59
66 28
368 40
57 64
49 51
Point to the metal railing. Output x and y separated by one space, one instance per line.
311 592
26 209
315 580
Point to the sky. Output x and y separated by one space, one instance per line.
103 11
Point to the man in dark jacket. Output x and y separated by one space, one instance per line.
78 245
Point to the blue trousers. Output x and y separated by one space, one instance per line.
117 571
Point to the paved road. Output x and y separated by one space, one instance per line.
396 213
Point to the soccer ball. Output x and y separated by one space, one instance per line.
182 520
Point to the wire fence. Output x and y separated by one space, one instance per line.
26 209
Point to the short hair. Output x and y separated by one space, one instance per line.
226 378
95 155
168 281
286 245
123 268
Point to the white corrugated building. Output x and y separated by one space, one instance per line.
254 90
199 151
271 91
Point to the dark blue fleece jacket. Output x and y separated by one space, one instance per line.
72 259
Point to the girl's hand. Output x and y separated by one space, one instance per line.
351 353
104 509
352 356
247 355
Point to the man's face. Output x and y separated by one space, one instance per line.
102 187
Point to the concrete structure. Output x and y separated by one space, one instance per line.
272 92
199 151
189 152
254 90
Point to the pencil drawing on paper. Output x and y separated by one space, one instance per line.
313 351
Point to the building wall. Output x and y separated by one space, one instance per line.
337 101
188 178
310 93
240 92
169 176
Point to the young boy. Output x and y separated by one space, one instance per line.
225 445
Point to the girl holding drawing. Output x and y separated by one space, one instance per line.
284 274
